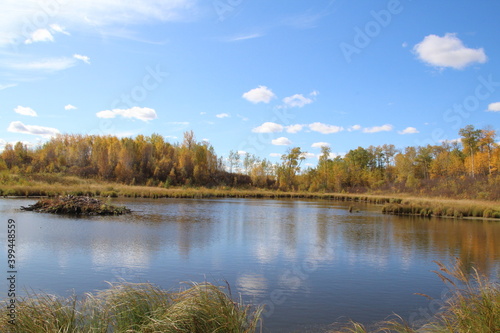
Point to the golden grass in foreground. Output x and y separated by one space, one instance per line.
474 307
131 308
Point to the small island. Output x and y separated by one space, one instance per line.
75 205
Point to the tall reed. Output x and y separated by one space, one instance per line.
127 307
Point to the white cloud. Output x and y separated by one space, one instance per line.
19 18
308 155
334 155
45 35
375 129
331 156
324 128
144 114
243 118
320 144
203 113
314 93
222 115
354 128
275 155
70 107
124 134
19 127
281 141
48 65
409 130
59 29
458 140
494 107
25 111
6 86
40 35
297 100
268 127
242 152
259 95
243 37
294 128
83 58
13 143
448 51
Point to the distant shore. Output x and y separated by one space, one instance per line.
394 203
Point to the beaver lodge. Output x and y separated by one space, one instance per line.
75 205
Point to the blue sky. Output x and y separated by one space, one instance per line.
253 76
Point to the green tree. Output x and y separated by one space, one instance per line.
470 142
290 165
324 168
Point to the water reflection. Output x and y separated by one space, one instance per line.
473 242
309 261
252 284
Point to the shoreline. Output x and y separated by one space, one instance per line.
393 203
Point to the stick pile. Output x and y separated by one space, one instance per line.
75 205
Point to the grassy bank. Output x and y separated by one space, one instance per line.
443 208
134 308
473 306
53 185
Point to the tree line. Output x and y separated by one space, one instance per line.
469 167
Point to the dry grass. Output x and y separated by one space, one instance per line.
135 308
54 185
444 208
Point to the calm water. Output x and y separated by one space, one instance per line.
311 262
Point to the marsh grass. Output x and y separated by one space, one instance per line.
444 208
473 306
50 185
126 307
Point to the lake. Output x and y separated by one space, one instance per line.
311 262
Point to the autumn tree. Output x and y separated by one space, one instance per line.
290 165
152 160
405 167
470 142
487 144
358 162
9 156
261 173
324 168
